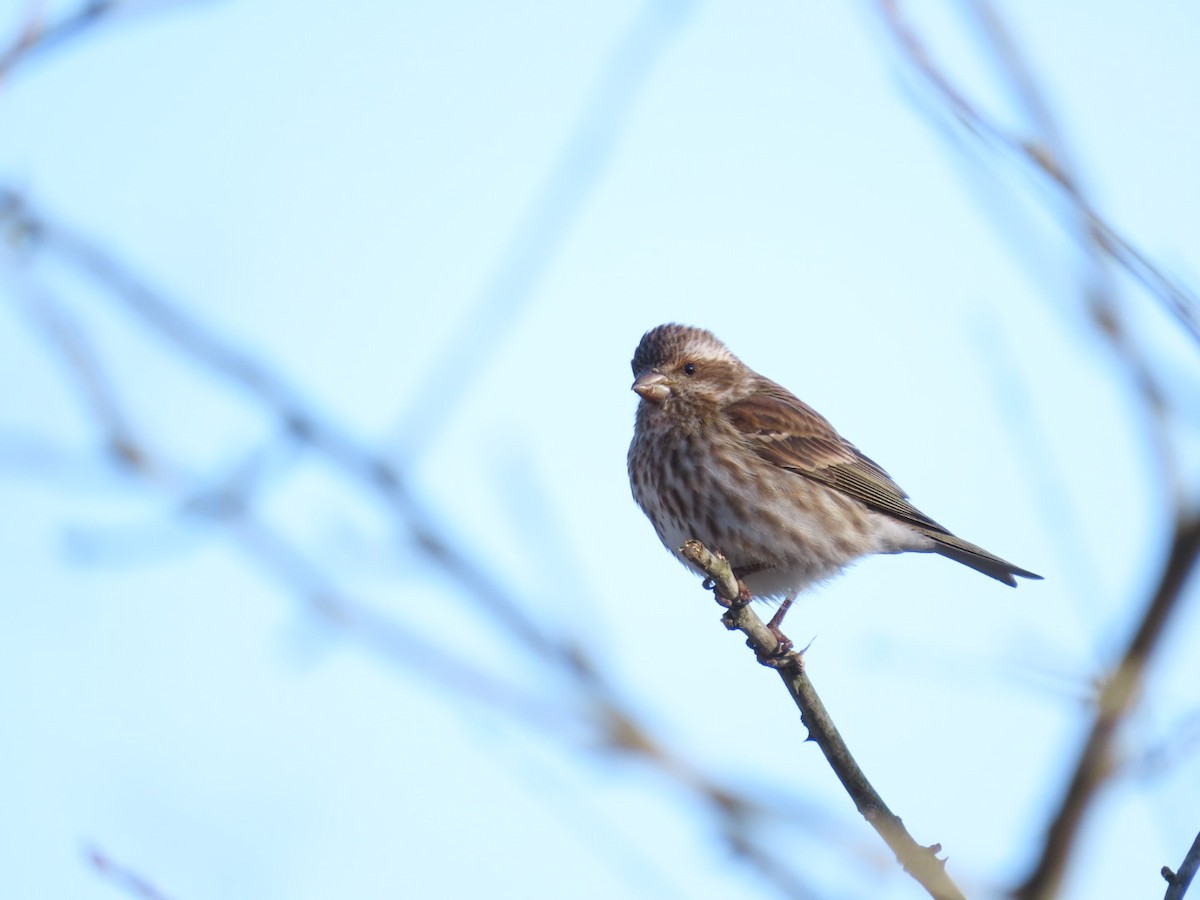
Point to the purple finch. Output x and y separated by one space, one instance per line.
724 456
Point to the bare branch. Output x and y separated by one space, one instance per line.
918 861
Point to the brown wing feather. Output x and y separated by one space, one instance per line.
787 432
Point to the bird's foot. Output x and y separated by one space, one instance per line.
781 656
743 598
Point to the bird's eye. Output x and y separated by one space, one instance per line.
689 369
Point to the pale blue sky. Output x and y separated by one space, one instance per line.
341 190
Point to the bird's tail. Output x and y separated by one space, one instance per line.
977 558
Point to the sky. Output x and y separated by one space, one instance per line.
446 226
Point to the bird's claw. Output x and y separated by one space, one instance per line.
743 598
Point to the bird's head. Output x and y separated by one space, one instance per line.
677 367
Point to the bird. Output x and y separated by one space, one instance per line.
725 456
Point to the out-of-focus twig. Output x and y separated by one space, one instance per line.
920 862
38 37
545 225
456 674
784 879
1178 882
373 471
128 880
1046 151
81 361
1180 744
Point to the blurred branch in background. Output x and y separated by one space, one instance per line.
82 365
38 37
545 225
1181 742
1042 151
125 879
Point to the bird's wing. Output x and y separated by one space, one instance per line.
787 432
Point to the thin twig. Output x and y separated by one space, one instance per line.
1178 882
920 862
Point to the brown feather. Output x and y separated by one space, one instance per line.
785 431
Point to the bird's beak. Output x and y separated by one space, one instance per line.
652 386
